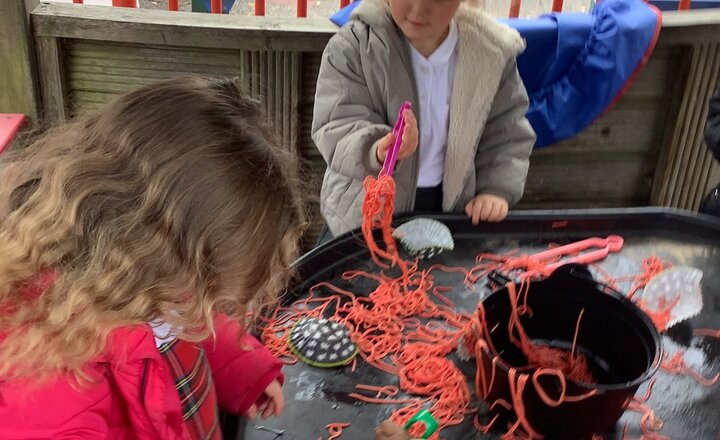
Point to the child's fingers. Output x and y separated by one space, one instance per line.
251 412
487 209
279 405
269 409
410 133
387 141
409 138
477 211
500 211
274 392
388 428
496 213
503 211
411 127
262 409
390 431
469 207
409 143
383 146
406 151
410 120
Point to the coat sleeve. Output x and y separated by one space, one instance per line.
55 410
346 122
712 128
242 367
503 154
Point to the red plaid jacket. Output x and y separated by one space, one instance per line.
135 394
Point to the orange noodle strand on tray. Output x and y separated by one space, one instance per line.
407 327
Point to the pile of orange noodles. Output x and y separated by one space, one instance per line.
406 327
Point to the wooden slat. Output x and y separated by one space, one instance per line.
184 29
624 181
261 74
700 159
315 165
690 19
77 97
138 56
686 169
272 77
18 91
656 79
293 63
99 71
633 125
52 81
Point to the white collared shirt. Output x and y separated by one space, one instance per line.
434 76
163 332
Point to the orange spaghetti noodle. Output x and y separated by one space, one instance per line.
335 430
707 332
407 327
676 365
541 361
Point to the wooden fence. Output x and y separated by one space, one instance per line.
647 150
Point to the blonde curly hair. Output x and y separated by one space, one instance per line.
172 202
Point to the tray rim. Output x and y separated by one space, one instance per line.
698 222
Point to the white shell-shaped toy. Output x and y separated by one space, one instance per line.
424 237
677 289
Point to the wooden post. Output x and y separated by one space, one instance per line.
302 8
260 8
125 3
514 8
18 92
51 73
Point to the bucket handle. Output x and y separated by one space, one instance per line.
501 279
585 276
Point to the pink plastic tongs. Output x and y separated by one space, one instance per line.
602 246
391 158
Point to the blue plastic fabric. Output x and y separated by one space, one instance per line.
576 65
553 43
593 61
343 15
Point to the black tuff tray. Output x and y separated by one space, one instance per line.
316 397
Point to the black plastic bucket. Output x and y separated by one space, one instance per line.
621 343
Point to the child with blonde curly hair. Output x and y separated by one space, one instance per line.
134 241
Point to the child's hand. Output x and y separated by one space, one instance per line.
390 431
273 405
486 208
409 140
